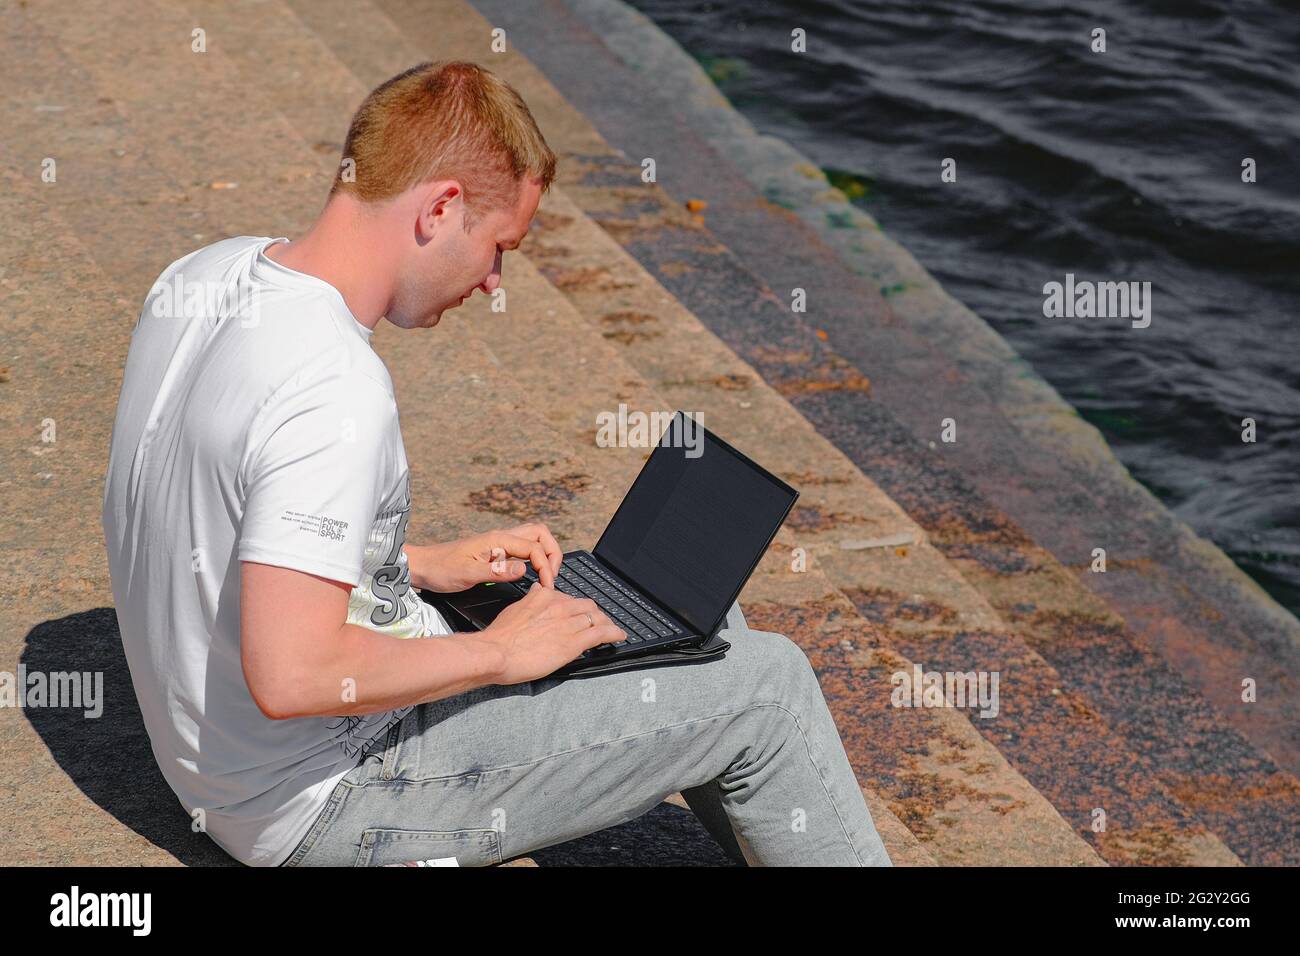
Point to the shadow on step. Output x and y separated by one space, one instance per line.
666 836
109 758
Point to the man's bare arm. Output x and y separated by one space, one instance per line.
301 660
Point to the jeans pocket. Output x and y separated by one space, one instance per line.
387 847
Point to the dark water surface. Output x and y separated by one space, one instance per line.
1115 166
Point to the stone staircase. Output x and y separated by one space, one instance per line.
621 295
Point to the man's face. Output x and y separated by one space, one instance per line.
447 264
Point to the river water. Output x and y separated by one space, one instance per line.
1123 165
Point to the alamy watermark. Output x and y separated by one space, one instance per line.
179 298
919 688
1085 299
75 689
75 908
624 429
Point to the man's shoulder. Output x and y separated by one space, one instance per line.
215 256
332 382
327 360
278 335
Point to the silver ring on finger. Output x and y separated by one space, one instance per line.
590 622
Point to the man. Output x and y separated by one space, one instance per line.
255 515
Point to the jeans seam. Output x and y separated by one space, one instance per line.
394 738
827 790
318 826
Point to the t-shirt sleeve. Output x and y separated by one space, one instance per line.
315 477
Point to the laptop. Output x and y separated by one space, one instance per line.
676 554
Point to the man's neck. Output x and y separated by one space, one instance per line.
343 247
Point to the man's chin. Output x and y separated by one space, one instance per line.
406 322
437 316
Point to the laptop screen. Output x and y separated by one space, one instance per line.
695 524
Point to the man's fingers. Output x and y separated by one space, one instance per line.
544 594
577 608
569 616
551 547
601 634
545 573
500 561
600 630
573 610
542 535
535 554
581 607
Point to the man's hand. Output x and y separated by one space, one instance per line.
461 564
544 631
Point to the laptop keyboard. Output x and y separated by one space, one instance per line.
580 576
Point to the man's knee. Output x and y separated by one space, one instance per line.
774 663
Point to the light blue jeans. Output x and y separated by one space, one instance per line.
503 770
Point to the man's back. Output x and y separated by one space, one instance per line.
255 423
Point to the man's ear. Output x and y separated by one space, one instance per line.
442 204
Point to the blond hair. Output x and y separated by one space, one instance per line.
445 120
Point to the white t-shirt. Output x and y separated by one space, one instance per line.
255 422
